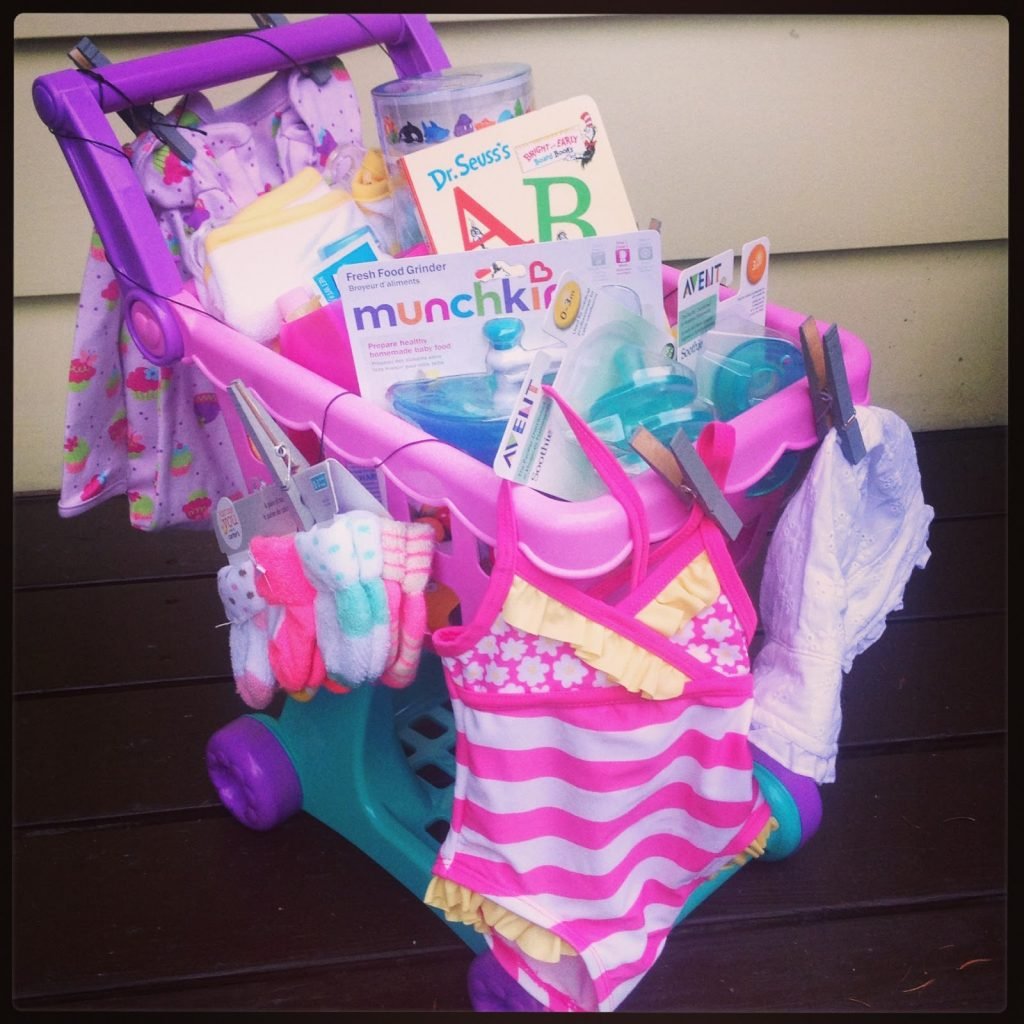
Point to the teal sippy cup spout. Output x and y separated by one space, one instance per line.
503 332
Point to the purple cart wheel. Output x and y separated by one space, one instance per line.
492 990
253 774
802 790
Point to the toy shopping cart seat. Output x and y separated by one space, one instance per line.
394 749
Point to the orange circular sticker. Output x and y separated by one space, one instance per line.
757 263
566 305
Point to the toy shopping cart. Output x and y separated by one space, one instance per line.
394 748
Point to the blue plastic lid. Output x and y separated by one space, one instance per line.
752 372
504 332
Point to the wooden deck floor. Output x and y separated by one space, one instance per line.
133 889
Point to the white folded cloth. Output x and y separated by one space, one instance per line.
273 246
837 565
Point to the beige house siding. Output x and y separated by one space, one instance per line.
871 149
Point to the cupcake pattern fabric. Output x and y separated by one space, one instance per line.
157 434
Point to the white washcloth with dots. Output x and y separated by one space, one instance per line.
841 555
366 536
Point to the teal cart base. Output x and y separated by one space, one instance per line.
395 751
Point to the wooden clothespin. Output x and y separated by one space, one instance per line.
684 469
278 453
87 56
320 72
830 389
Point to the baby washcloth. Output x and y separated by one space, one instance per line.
341 559
249 616
263 253
305 187
837 565
366 536
408 550
294 656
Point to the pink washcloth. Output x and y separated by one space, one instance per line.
392 542
294 655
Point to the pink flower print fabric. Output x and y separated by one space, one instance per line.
508 660
715 638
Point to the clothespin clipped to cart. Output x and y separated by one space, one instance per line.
86 55
319 72
278 453
684 469
830 389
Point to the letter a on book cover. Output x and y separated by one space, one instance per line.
542 176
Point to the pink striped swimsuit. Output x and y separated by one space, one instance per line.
602 763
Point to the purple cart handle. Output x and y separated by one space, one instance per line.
74 106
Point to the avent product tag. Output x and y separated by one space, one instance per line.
700 310
605 343
698 302
699 284
736 361
524 446
267 512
